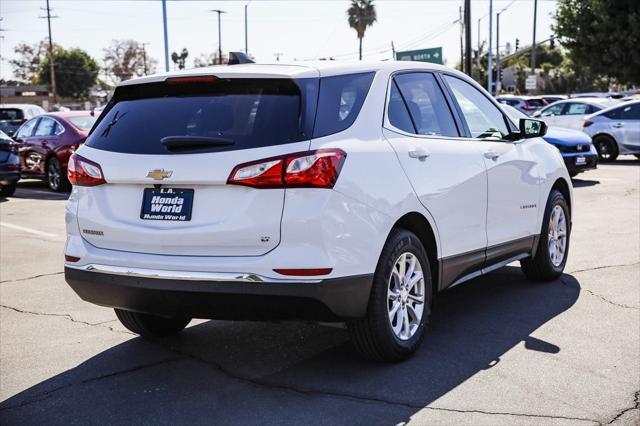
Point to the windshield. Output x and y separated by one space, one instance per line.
82 122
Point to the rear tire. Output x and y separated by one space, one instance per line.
8 190
392 335
607 148
56 179
148 325
546 265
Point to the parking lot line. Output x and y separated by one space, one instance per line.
29 230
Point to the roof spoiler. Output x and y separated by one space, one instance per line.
236 58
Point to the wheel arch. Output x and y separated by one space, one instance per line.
419 225
561 185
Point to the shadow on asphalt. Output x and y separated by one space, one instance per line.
581 183
245 372
36 190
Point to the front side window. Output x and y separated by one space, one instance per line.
553 110
484 119
426 104
27 129
577 109
630 112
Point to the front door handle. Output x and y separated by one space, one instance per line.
419 153
618 125
491 155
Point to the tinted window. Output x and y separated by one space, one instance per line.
397 111
536 102
46 127
11 114
484 118
577 109
339 102
552 110
630 112
82 122
426 104
250 112
27 129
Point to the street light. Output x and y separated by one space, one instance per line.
219 12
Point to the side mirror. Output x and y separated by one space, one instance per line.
530 128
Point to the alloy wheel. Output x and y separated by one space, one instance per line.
405 296
557 235
54 175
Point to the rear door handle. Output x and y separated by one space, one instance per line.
491 155
419 153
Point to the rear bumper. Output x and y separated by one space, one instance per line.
326 300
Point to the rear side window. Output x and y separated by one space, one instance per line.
577 109
339 102
397 111
11 114
630 112
249 113
426 104
46 127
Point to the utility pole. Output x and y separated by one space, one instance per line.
533 45
498 82
489 52
166 35
246 29
393 50
219 12
467 34
51 61
461 38
144 56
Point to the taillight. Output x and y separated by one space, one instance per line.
312 169
83 172
587 123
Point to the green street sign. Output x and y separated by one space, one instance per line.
433 55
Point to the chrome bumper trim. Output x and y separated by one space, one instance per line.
187 275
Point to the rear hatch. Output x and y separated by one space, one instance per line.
166 150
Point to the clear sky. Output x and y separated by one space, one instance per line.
298 29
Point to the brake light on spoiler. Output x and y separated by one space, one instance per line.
310 169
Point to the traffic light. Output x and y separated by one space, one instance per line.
517 44
552 43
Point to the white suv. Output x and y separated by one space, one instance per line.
350 193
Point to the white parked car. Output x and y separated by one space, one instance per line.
571 113
334 192
615 130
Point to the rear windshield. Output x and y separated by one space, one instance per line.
535 102
243 113
11 114
83 122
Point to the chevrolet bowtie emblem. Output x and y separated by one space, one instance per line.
159 174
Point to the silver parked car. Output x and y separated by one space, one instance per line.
615 130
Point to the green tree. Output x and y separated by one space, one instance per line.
76 72
602 36
361 14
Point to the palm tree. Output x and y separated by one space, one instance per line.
362 14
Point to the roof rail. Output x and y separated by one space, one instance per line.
236 58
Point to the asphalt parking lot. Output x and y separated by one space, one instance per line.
501 350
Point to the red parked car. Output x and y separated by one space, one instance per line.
47 141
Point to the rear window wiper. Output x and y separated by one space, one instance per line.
177 143
112 123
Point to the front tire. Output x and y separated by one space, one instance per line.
553 246
606 147
56 179
148 325
399 304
